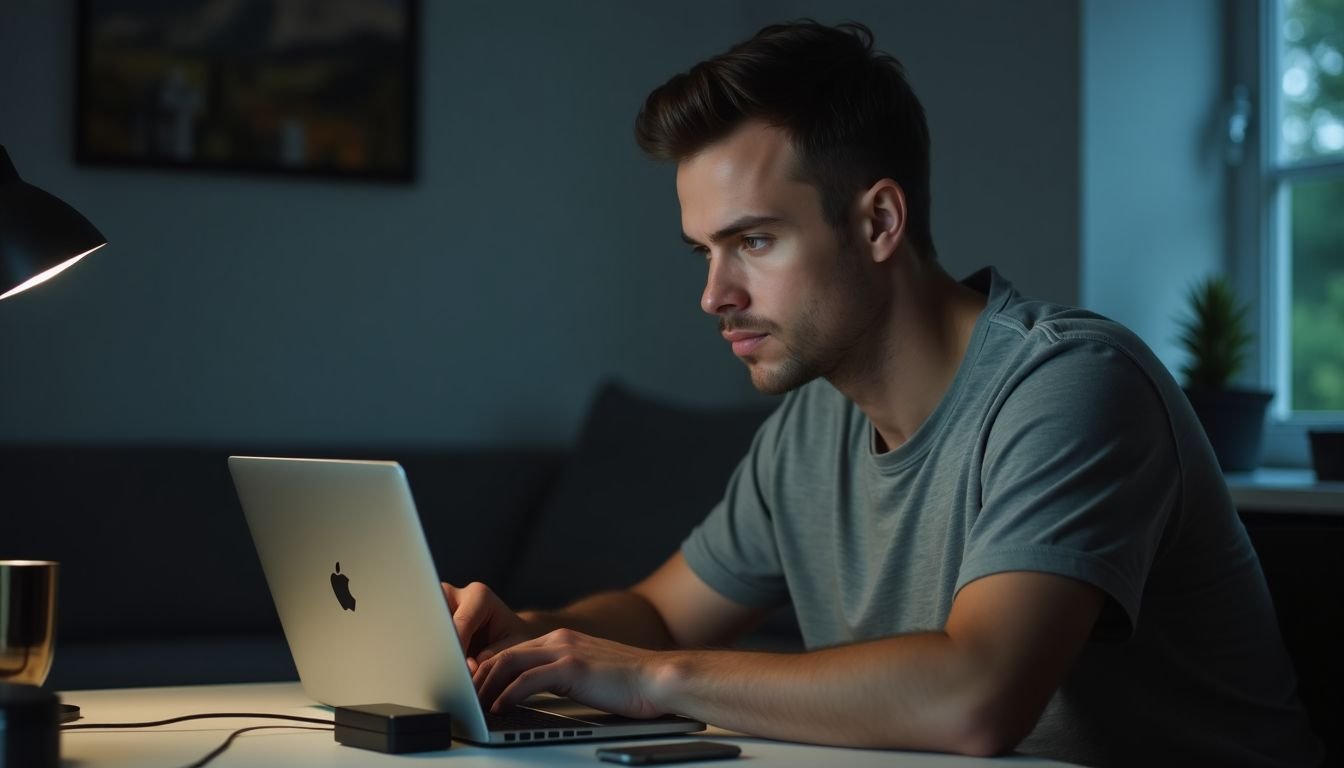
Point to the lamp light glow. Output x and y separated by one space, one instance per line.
45 276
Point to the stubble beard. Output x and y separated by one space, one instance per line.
796 368
808 355
799 365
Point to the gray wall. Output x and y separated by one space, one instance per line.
537 254
999 83
1154 181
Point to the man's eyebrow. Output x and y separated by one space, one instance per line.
740 225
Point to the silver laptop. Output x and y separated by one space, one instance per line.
361 606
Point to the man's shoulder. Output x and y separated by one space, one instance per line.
1046 322
1034 331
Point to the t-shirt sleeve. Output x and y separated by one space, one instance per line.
1079 478
734 550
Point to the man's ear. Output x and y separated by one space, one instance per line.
883 215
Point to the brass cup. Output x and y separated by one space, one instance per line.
27 620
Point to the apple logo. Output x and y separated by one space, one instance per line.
340 584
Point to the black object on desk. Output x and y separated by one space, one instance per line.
393 728
28 734
1327 454
675 752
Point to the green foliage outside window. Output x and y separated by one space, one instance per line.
1312 79
1312 97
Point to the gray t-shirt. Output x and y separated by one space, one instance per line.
1062 446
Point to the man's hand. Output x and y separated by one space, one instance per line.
484 623
601 673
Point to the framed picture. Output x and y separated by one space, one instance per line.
276 86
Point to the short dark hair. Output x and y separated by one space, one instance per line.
848 110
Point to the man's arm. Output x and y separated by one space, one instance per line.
977 687
671 608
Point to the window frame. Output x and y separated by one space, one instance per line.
1258 225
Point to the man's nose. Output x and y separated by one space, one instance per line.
723 290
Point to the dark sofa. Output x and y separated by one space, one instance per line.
160 584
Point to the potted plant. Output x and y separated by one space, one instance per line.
1216 338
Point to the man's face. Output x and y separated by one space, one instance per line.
793 297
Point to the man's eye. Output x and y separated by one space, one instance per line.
755 242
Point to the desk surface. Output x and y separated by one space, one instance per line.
183 743
1285 490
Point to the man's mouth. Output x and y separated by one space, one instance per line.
744 342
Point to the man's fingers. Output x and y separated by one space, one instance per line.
480 618
557 676
491 651
467 622
471 614
491 676
450 594
523 642
466 611
494 676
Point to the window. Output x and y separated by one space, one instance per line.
1306 163
1288 228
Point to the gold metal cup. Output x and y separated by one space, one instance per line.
27 620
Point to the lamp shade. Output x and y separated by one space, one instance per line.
40 235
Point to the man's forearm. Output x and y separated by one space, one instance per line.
978 687
622 616
914 692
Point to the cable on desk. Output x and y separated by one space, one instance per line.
220 749
182 718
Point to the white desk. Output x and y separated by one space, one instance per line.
183 743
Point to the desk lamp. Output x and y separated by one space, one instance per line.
40 237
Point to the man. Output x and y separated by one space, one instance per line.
998 520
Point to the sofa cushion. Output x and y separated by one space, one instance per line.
643 475
193 660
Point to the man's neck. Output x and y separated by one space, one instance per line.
913 356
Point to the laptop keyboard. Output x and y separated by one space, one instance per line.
519 718
519 724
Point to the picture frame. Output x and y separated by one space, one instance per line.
290 87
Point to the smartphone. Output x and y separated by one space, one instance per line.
676 752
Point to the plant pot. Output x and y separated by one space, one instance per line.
1327 454
1234 420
